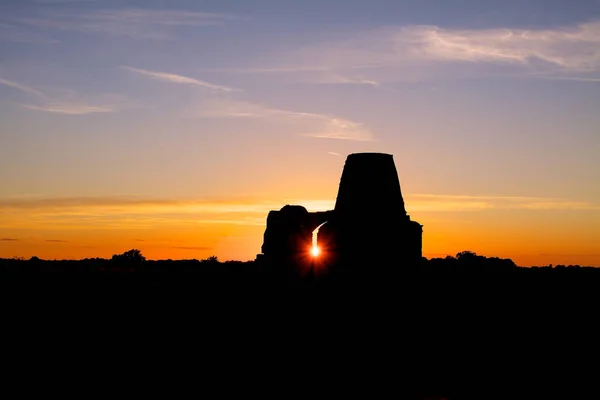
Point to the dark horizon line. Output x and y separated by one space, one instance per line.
216 259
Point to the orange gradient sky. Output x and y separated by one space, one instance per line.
531 231
174 128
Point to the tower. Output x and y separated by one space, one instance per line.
369 222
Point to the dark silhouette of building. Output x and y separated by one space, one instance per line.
369 222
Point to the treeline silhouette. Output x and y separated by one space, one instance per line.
133 261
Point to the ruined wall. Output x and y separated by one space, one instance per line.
288 235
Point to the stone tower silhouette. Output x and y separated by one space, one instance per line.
369 222
369 186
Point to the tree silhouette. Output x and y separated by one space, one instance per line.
466 255
133 256
210 260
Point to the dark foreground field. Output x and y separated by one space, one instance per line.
438 330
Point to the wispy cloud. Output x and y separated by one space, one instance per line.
133 22
573 78
135 204
315 125
340 79
306 74
56 241
22 87
8 240
139 213
180 79
63 1
192 247
70 109
22 34
437 202
70 104
402 52
572 48
267 70
333 153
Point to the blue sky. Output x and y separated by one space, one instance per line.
261 100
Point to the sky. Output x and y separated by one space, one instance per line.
174 126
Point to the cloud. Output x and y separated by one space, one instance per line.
70 104
21 87
20 34
192 247
267 70
130 212
63 1
133 205
180 79
435 202
137 205
337 128
333 78
571 254
333 153
56 241
133 22
315 125
306 74
573 78
8 240
70 109
415 52
571 48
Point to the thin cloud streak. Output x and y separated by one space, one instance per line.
180 79
21 87
566 78
63 1
317 125
135 23
310 74
72 205
434 202
70 109
192 247
21 34
139 213
335 78
80 206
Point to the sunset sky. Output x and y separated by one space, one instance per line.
174 126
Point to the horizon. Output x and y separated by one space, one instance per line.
175 128
215 259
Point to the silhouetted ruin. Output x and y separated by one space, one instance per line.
369 222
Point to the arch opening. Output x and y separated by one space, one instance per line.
315 249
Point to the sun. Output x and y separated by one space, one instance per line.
315 251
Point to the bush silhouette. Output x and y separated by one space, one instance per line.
133 256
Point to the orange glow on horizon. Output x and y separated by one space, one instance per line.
233 230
